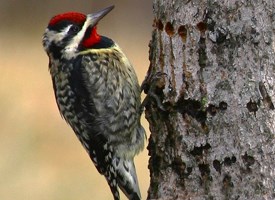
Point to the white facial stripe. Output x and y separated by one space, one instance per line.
72 47
54 36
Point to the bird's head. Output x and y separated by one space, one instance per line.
69 32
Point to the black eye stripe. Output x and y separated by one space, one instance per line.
73 29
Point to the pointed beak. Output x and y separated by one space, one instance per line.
94 18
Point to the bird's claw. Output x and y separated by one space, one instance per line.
150 86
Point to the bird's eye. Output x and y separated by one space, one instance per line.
74 29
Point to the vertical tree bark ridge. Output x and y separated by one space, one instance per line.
215 139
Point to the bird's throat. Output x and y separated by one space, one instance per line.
91 38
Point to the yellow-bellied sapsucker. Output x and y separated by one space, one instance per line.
98 94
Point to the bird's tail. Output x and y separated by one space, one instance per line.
127 178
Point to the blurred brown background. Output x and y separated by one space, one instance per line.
40 157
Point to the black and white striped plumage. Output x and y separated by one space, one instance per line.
98 94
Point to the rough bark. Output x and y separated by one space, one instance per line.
210 90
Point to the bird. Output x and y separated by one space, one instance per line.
97 93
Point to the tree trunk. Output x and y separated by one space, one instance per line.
210 108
